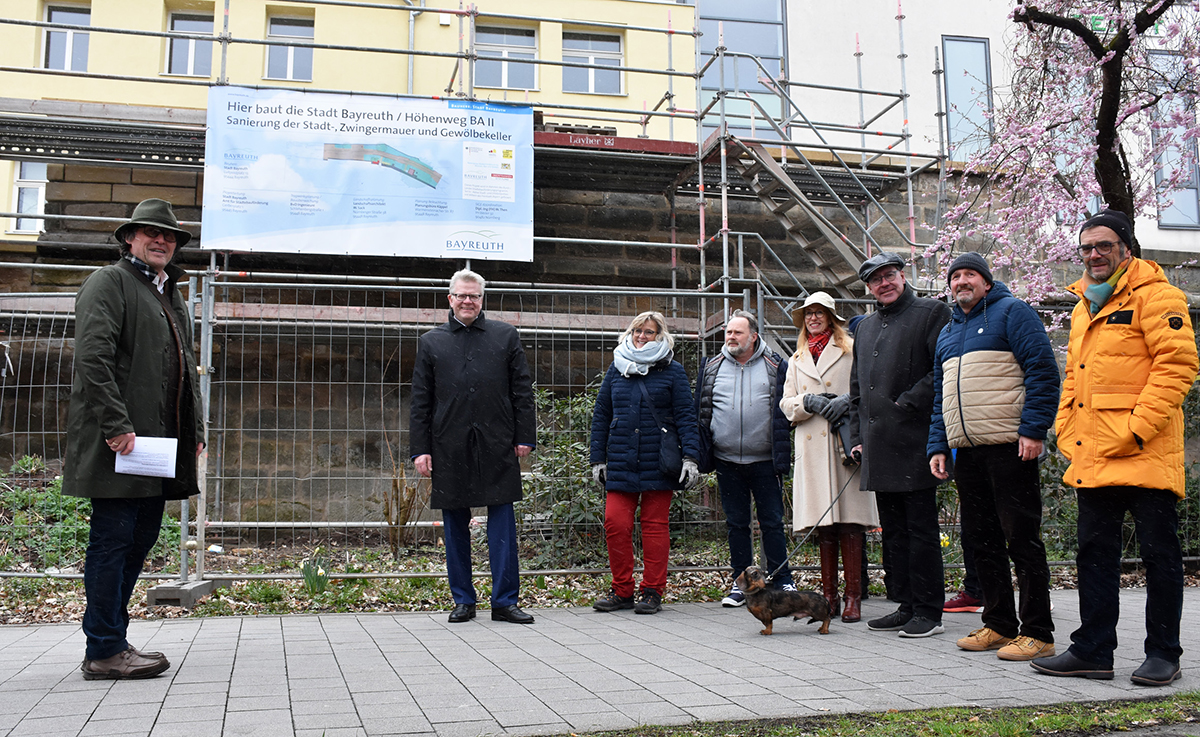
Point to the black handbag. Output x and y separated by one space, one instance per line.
670 453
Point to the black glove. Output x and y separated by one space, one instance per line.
815 403
836 408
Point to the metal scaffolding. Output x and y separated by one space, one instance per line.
278 336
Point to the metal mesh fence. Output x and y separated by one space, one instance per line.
308 413
310 392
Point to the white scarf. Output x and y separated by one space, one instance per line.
630 360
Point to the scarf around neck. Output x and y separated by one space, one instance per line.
1098 294
817 343
630 360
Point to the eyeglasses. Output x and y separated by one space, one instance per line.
467 297
152 232
814 313
1101 247
878 278
645 332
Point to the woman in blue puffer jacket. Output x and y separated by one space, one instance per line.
626 450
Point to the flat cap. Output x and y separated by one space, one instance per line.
877 262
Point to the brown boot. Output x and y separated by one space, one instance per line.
827 538
852 555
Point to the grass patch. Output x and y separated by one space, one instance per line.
1061 720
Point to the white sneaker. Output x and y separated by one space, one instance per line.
734 598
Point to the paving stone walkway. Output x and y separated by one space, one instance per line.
573 671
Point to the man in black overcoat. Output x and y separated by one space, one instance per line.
472 420
891 389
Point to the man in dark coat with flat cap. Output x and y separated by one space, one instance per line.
472 420
135 376
891 394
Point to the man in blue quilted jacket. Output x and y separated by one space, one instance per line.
746 439
995 397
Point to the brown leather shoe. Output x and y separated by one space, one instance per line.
152 654
125 664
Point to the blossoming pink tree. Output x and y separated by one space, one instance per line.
1100 112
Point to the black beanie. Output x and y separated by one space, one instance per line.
1115 220
974 262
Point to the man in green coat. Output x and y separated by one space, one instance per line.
135 377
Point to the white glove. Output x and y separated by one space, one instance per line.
690 476
600 473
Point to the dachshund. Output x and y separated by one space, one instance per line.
767 603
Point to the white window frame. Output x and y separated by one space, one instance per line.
193 45
1189 192
591 56
506 52
22 183
72 36
966 146
291 50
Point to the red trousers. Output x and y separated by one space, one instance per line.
656 538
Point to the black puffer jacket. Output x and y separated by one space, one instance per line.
624 434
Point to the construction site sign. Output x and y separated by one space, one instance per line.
301 172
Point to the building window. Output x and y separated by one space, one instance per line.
592 48
29 196
1178 207
968 79
290 62
68 49
755 27
497 48
189 56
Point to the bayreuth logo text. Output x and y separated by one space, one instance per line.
473 240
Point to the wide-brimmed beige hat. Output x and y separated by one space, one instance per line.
816 298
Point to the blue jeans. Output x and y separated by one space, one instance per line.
502 554
122 533
1156 522
739 482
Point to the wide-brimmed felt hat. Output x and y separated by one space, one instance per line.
816 298
158 213
877 262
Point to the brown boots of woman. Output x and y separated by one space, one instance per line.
828 537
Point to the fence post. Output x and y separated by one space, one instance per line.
205 368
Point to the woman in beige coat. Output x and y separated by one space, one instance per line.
815 399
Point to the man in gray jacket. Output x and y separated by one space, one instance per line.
891 391
744 438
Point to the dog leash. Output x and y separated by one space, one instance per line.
812 529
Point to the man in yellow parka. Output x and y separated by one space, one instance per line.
1130 362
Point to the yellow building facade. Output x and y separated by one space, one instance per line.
592 64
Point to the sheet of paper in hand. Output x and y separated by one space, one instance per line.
150 457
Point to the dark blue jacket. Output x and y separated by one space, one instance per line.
781 429
1002 324
624 434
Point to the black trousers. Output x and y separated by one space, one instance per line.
1002 518
912 540
1156 522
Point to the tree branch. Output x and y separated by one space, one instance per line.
1033 15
